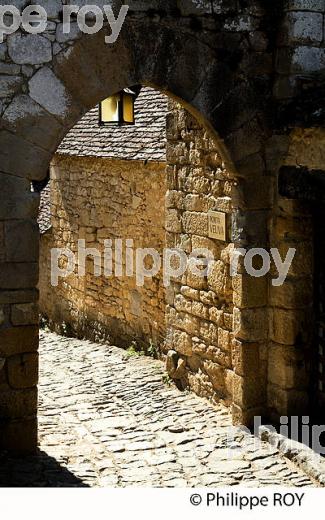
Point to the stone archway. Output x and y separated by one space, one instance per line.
219 62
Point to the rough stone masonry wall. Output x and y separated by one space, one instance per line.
291 312
300 57
97 199
291 348
200 309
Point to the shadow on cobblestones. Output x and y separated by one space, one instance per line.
107 420
112 421
39 470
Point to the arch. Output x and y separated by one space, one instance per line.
208 74
88 70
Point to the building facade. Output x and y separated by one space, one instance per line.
107 183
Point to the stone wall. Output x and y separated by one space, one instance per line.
200 309
290 347
98 199
240 339
307 148
301 47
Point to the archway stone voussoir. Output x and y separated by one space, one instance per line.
28 119
21 158
18 275
92 70
50 93
174 63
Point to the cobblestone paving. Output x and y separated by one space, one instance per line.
107 419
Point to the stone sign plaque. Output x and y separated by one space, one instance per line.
217 225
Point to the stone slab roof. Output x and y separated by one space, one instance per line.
145 141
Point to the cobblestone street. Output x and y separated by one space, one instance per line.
108 419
